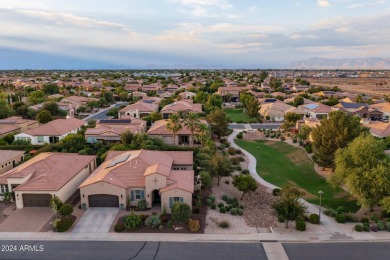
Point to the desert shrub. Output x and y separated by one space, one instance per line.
387 226
340 218
213 206
308 148
222 210
144 217
209 202
276 192
142 204
381 226
212 198
231 151
341 210
358 228
241 206
224 224
132 221
170 223
180 212
227 182
228 207
235 160
238 168
239 135
364 220
374 217
220 205
193 225
281 219
161 227
294 140
64 225
330 213
230 200
153 221
225 197
351 218
234 211
240 212
385 214
366 227
119 228
282 138
66 210
300 225
245 171
238 151
314 219
374 228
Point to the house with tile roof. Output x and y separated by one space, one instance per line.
67 107
354 109
16 124
126 177
316 110
184 106
233 92
46 175
377 128
383 107
77 101
277 109
52 132
9 159
110 130
139 109
183 137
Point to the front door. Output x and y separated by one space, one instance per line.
156 197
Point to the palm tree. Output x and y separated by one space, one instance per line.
174 125
203 134
192 122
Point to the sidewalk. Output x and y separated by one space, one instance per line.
325 220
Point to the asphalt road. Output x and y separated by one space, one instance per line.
335 251
272 126
130 250
103 114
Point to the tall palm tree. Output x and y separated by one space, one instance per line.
191 121
174 125
203 134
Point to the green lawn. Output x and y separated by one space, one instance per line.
237 114
280 163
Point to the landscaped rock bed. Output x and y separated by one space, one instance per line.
258 212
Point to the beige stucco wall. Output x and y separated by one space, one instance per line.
187 198
5 168
152 185
135 202
102 188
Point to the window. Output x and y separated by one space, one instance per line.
40 139
176 199
172 200
137 194
3 188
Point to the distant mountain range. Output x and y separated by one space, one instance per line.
358 63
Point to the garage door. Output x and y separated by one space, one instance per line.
103 200
36 200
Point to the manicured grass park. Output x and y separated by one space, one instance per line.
280 163
238 115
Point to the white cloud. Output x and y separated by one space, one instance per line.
214 3
369 4
323 3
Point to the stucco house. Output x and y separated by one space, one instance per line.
354 109
233 92
185 106
383 107
110 130
126 177
277 109
52 132
182 137
139 109
46 175
377 128
9 159
77 101
67 107
316 110
16 124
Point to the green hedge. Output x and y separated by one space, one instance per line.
21 147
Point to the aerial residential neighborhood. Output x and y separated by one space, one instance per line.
192 129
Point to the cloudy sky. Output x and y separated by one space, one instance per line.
226 33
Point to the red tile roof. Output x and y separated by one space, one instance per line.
56 127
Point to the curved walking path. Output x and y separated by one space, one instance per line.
326 221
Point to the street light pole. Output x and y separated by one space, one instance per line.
319 214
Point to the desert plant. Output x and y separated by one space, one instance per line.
340 218
281 219
193 225
300 225
330 213
276 192
142 204
209 202
225 197
161 227
153 221
180 212
230 200
358 228
66 210
220 205
170 223
314 219
374 217
234 211
385 214
366 227
240 212
227 182
245 171
381 226
212 198
119 228
224 224
231 151
222 210
132 221
374 228
351 217
388 226
213 206
364 220
342 210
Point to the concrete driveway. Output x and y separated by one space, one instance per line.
26 220
96 220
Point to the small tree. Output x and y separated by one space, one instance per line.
206 180
287 206
55 204
181 212
66 210
44 117
220 166
244 183
127 137
73 143
7 197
